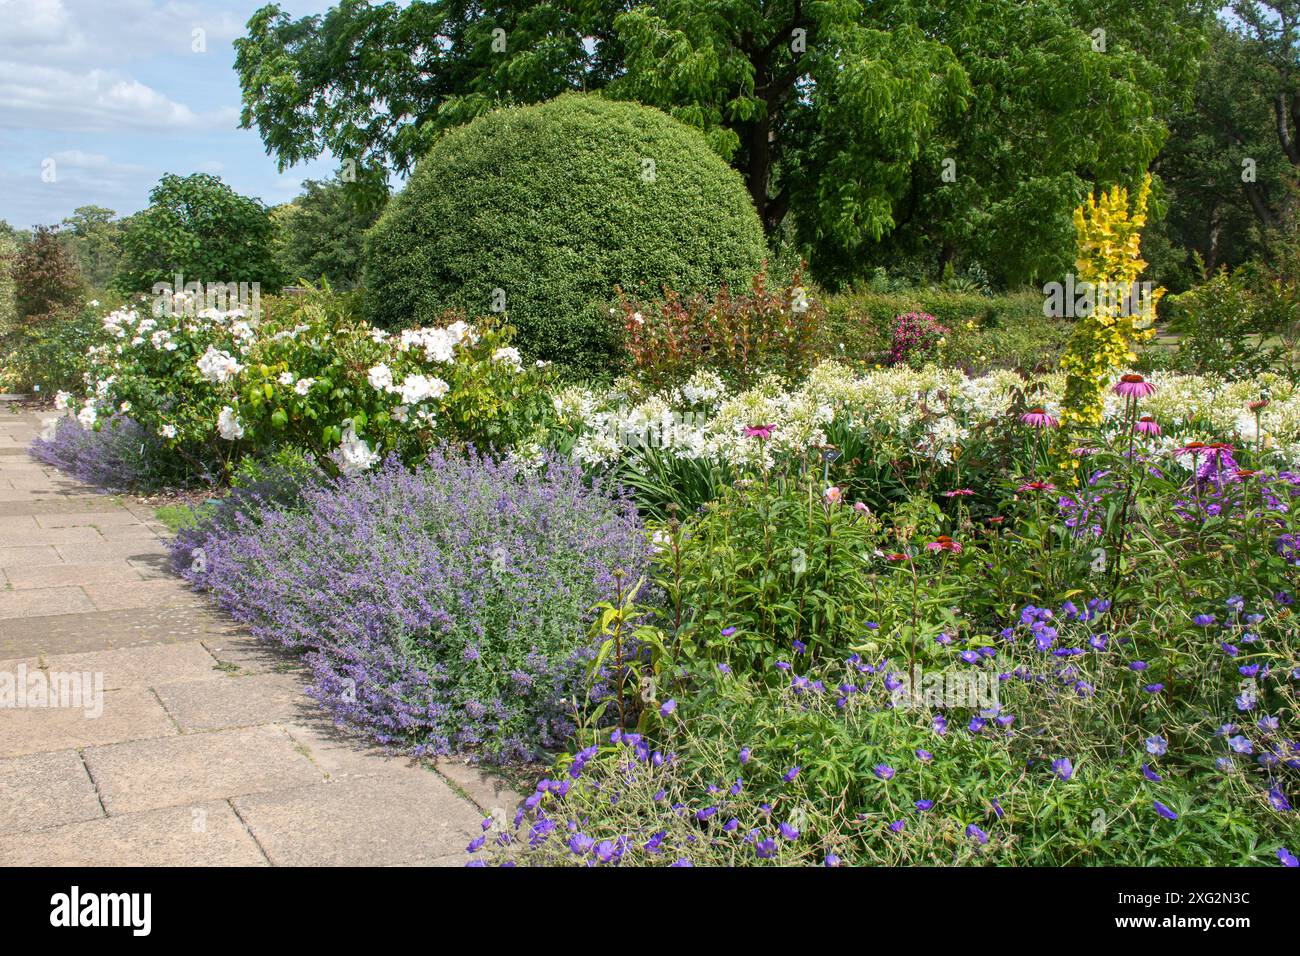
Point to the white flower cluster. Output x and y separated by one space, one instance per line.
439 345
930 413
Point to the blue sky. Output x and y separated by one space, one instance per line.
109 94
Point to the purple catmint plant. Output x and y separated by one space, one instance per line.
120 455
443 609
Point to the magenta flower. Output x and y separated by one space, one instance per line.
1037 486
759 431
1039 418
1134 386
1146 425
944 543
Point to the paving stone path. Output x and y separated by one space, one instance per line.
206 751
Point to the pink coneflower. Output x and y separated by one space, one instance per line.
1146 425
1193 448
944 543
1037 486
897 556
1038 418
959 493
759 431
1258 405
1134 386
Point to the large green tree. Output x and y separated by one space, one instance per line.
935 125
1232 164
320 234
94 237
199 227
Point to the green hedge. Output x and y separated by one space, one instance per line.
556 205
985 331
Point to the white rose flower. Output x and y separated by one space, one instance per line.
62 399
380 378
417 388
304 385
87 415
508 355
353 455
167 431
286 378
228 424
218 366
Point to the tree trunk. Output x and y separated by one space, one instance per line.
759 173
1212 240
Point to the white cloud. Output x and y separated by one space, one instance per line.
52 98
73 32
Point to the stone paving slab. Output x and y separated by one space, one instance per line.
95 519
44 790
52 504
490 793
236 702
205 834
131 713
105 550
43 603
378 821
341 755
37 554
54 536
100 630
145 666
178 771
26 576
125 595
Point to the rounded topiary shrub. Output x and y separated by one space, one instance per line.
546 209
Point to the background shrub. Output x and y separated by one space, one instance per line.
446 608
50 356
985 331
46 278
556 205
739 336
917 338
1226 327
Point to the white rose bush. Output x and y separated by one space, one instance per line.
351 394
201 387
